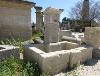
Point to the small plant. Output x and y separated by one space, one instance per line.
45 74
18 42
16 67
37 34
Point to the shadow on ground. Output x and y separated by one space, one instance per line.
91 62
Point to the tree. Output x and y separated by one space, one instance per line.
94 12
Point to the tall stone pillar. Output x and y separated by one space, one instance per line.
51 31
39 18
85 14
51 24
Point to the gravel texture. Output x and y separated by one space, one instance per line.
90 68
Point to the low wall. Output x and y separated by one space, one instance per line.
92 36
55 62
7 51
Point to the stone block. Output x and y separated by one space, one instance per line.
75 58
86 53
51 35
92 36
32 53
55 62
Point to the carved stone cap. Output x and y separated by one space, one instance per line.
38 8
51 10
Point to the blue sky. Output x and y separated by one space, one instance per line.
62 4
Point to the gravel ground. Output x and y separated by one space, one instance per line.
90 68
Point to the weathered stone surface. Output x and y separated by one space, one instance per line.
55 62
71 45
54 47
52 62
65 33
65 45
75 58
40 46
85 10
80 55
7 51
92 36
51 34
96 52
15 20
51 24
71 39
86 53
39 18
32 54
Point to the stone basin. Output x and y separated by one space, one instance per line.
57 61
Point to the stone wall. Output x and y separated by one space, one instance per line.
92 36
15 20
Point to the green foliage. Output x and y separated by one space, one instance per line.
16 67
37 34
45 74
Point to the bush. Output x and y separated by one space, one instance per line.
16 67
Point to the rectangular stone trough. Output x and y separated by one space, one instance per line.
6 51
55 62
